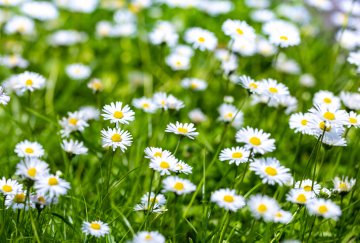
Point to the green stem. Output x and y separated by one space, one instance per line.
178 144
296 159
316 159
173 218
246 167
225 226
312 226
307 165
108 180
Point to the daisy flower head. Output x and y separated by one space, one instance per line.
116 138
82 6
178 185
178 62
285 37
255 140
41 201
287 65
186 129
238 29
67 38
333 140
299 196
183 50
324 208
29 81
9 187
29 149
160 100
282 217
307 80
354 119
182 167
265 48
274 90
155 208
17 201
32 168
194 84
354 58
201 38
4 99
263 207
227 199
332 131
19 24
53 184
343 185
163 164
262 15
244 47
270 170
74 122
327 99
307 185
234 155
160 199
152 153
148 237
10 2
197 116
78 71
117 114
323 5
227 112
40 10
348 39
173 103
95 228
350 100
300 122
14 61
95 85
74 147
146 104
230 65
257 3
249 84
164 32
325 193
330 114
89 113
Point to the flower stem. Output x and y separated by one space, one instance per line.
316 159
246 167
227 215
312 226
178 144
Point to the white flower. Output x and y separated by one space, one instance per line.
19 24
124 16
299 196
32 168
307 186
67 38
74 147
325 193
116 138
318 126
14 61
330 114
75 122
17 201
274 90
155 208
10 2
227 199
183 50
9 187
334 141
229 112
186 129
178 62
343 185
300 122
89 113
324 5
82 6
96 85
160 100
4 99
285 37
263 207
146 104
238 29
230 65
262 15
10 84
52 184
160 199
78 71
354 119
278 25
95 228
297 13
118 114
164 32
339 18
29 81
148 237
29 149
350 100
182 167
307 80
348 39
354 58
249 84
163 164
265 48
178 185
287 65
324 208
152 153
256 140
282 217
201 38
234 155
327 99
244 47
257 3
270 170
194 83
215 8
197 116
106 29
43 200
173 103
40 10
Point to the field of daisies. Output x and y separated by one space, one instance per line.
153 121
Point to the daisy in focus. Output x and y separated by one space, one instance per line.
343 185
249 84
9 187
78 71
41 201
178 185
238 29
327 99
75 122
186 129
263 207
117 114
274 90
255 140
330 114
307 185
146 104
51 184
152 153
29 81
95 228
201 38
29 149
116 138
148 237
163 164
227 199
299 196
160 199
235 155
194 84
32 168
74 147
182 167
324 208
17 201
354 119
300 122
155 208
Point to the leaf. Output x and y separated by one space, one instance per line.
65 221
42 117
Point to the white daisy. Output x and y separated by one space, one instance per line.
74 147
29 81
324 208
354 119
282 217
148 237
299 196
116 138
146 104
144 207
78 71
4 99
82 6
262 15
327 99
95 228
197 116
19 24
41 201
32 168
300 122
257 3
182 167
163 164
250 84
263 207
183 50
307 80
354 58
330 114
118 114
67 38
14 61
53 184
75 122
234 155
285 37
164 32
348 39
307 186
334 140
265 48
152 153
287 65
274 90
178 62
201 38
194 84
318 125
351 100
160 199
228 112
343 185
40 10
278 25
238 29
227 199
186 129
96 85
244 47
178 185
9 187
10 2
17 201
160 100
173 103
29 149
325 193
256 140
89 113
324 5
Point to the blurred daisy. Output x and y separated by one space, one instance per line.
105 29
182 167
324 5
74 147
96 85
82 6
263 207
274 90
343 185
282 217
201 38
146 104
4 99
52 184
183 50
257 3
197 116
307 80
160 199
330 114
95 228
354 58
178 185
350 100
75 122
178 62
354 119
14 61
29 149
144 207
9 187
324 208
238 29
17 201
29 81
173 103
244 47
41 201
327 99
227 112
227 199
164 32
152 153
40 10
300 122
334 141
148 237
255 140
348 39
270 170
19 24
262 15
325 193
163 164
299 196
265 48
118 114
89 113
285 37
160 100
31 168
278 25
67 38
78 71
249 84
10 2
194 84
186 129
287 65
234 155
307 186
116 138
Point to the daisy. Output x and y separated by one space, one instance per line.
74 147
40 10
41 201
330 114
160 100
354 58
152 152
186 129
17 201
78 71
265 48
95 228
324 5
263 207
29 149
194 83
228 112
89 113
300 122
307 185
10 2
327 99
350 100
227 199
230 65
201 38
146 104
325 193
163 164
9 187
234 155
197 116
173 103
82 6
75 122
255 140
182 167
354 119
178 185
67 38
274 90
324 208
223 54
148 237
282 217
287 65
270 170
249 84
285 37
183 50
14 61
307 80
244 47
334 141
332 132
19 24
299 196
116 138
155 208
32 168
164 32
160 199
96 85
344 185
257 3
238 29
52 184
29 81
118 114
178 62
348 39
4 99
262 15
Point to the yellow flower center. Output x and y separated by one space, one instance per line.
253 85
177 63
179 166
73 121
152 199
271 171
19 198
183 130
118 114
283 38
145 105
7 188
307 188
29 150
228 115
304 122
179 186
352 120
201 39
41 199
255 141
329 116
53 181
301 198
95 226
193 86
158 154
164 165
323 209
148 237
29 82
97 85
116 138
32 172
262 208
273 90
237 155
278 215
77 71
343 187
228 198
240 32
327 100
322 126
